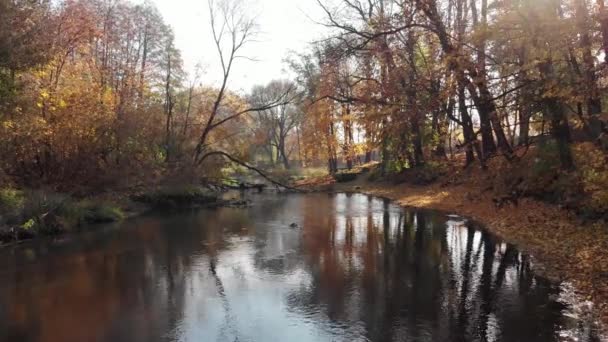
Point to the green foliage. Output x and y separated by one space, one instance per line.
296 173
537 175
546 163
49 212
102 212
421 175
375 174
38 203
397 165
67 215
29 224
7 89
346 176
312 172
11 204
11 199
229 182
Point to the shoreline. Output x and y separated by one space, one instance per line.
129 209
562 248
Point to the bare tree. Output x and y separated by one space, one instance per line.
232 30
278 122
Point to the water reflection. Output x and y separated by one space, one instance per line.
356 269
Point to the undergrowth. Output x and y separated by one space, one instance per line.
28 213
176 196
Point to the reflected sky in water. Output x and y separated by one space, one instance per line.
356 268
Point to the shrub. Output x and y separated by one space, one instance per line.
593 173
67 215
345 176
281 175
538 175
102 212
429 172
11 199
38 204
375 174
11 205
49 213
172 197
313 172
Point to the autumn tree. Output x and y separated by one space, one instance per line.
232 30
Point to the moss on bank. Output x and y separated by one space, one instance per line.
31 213
27 214
182 196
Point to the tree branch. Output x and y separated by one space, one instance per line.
250 167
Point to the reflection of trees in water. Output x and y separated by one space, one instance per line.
371 268
406 277
105 286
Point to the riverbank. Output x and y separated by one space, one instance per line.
564 248
33 214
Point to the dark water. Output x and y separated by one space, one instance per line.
356 269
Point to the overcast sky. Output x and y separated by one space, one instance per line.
284 25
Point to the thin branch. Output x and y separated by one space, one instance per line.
250 167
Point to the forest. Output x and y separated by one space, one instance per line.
493 109
94 99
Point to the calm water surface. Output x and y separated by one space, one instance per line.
356 268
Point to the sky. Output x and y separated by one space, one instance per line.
284 26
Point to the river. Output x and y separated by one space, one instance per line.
291 267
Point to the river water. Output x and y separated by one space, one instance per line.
308 267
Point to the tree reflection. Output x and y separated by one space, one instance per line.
411 278
359 268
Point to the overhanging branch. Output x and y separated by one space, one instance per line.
250 167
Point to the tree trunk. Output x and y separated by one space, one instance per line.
467 129
385 155
593 100
525 101
487 138
603 17
412 104
524 125
271 154
168 107
188 109
283 154
560 129
368 156
441 129
417 141
560 132
332 157
348 137
459 62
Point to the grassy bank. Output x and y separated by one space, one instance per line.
29 214
26 214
